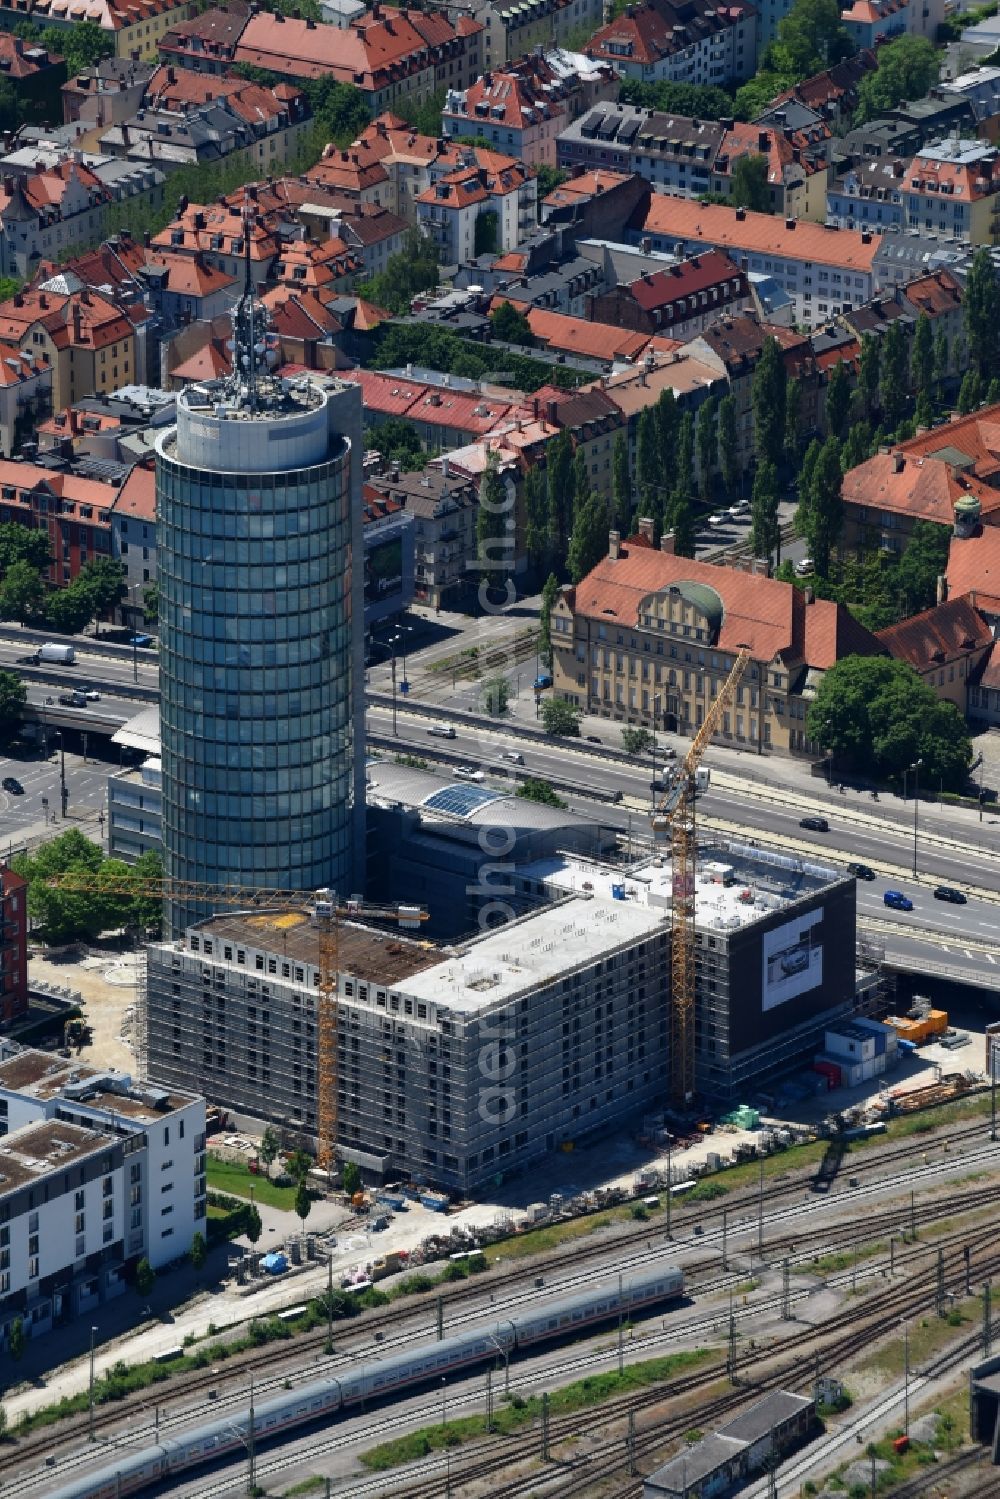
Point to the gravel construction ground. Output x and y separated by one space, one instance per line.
107 984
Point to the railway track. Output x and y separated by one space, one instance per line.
850 1336
229 1383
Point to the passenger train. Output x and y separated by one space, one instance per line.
322 1398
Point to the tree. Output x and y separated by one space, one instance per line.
858 446
970 393
399 441
536 517
879 715
680 519
621 485
922 356
533 790
493 539
923 411
549 178
69 610
413 270
17 1340
893 374
146 910
198 1252
550 592
765 532
728 439
941 363
559 467
486 239
703 101
668 420
981 314
907 69
145 1277
748 184
753 97
13 696
581 479
811 37
22 593
511 326
868 373
923 561
650 470
636 741
838 400
303 1204
298 1164
561 718
423 114
339 109
793 423
252 1225
494 695
589 541
65 913
83 46
19 544
708 446
350 1177
104 580
767 396
269 1147
151 603
824 516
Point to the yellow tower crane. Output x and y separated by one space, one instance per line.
675 816
328 913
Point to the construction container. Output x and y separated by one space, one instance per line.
828 1069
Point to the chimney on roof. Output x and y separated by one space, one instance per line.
614 545
808 596
789 223
76 322
43 301
898 463
941 592
866 236
647 528
551 411
741 214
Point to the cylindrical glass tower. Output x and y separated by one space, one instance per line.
256 598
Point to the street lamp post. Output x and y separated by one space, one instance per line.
63 792
915 767
90 1397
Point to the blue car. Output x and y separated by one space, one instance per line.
897 900
140 640
540 683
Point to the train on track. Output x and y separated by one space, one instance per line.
384 1379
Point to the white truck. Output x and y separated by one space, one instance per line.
60 655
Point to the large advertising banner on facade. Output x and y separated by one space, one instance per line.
383 570
793 960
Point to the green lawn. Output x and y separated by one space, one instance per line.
236 1179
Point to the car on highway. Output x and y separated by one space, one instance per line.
861 871
949 893
140 640
91 694
468 773
513 756
73 699
815 824
13 785
897 900
440 732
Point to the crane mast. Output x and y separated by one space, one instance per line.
675 817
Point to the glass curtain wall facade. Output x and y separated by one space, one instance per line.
256 665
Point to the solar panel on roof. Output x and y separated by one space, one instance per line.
460 801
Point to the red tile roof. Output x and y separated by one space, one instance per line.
935 295
771 617
974 563
369 54
576 335
686 278
718 225
924 488
938 635
21 59
137 496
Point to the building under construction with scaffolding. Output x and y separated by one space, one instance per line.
458 1062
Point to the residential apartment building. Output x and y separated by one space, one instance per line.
953 189
678 302
521 108
824 271
691 42
445 508
869 196
949 475
649 638
486 206
215 231
135 812
13 946
88 343
106 93
135 27
833 94
25 395
512 31
731 347
95 1174
207 42
871 22
391 55
46 212
569 999
688 157
948 647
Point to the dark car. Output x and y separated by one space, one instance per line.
73 699
594 739
897 900
861 871
815 824
948 892
12 785
140 640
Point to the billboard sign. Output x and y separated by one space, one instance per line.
792 960
383 570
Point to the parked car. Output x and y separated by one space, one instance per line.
468 773
861 871
140 640
949 893
897 900
815 824
541 682
740 508
13 785
804 567
719 518
594 739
